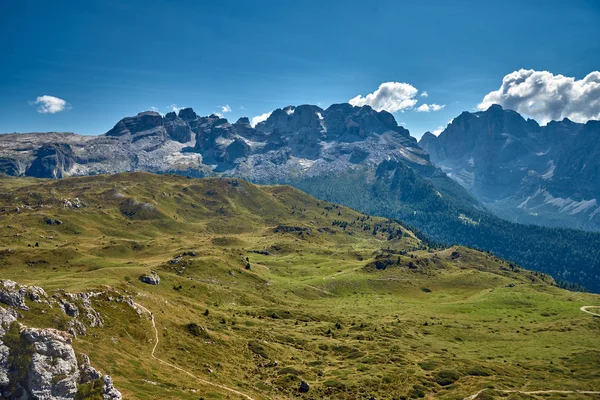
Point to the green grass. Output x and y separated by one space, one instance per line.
313 306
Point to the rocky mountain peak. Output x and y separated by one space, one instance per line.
505 159
131 125
170 116
187 114
294 140
495 108
243 121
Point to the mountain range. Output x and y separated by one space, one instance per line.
524 172
294 141
354 156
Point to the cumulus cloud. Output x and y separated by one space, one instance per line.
424 94
175 109
430 107
437 131
50 104
545 96
225 108
390 96
259 118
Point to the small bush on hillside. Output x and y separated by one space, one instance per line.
258 349
428 365
446 377
417 392
19 357
93 390
289 371
197 330
477 370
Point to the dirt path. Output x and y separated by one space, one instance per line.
181 369
585 310
474 396
319 289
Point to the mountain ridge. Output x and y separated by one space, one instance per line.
524 172
354 156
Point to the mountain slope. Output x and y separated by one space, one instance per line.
264 287
547 175
351 155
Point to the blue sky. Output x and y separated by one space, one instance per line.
110 59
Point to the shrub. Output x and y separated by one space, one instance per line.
289 371
334 384
477 370
417 391
428 365
197 330
92 390
446 377
258 349
19 356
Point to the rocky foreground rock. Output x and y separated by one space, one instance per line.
151 278
41 363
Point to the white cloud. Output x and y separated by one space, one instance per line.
50 104
175 109
243 108
390 96
424 94
155 109
225 108
439 130
430 107
545 96
259 118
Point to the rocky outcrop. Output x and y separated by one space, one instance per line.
151 278
144 121
7 317
304 387
69 308
53 371
93 317
52 161
42 364
237 149
177 128
14 295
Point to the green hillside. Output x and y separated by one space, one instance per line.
442 211
262 287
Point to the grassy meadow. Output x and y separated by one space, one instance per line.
264 286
